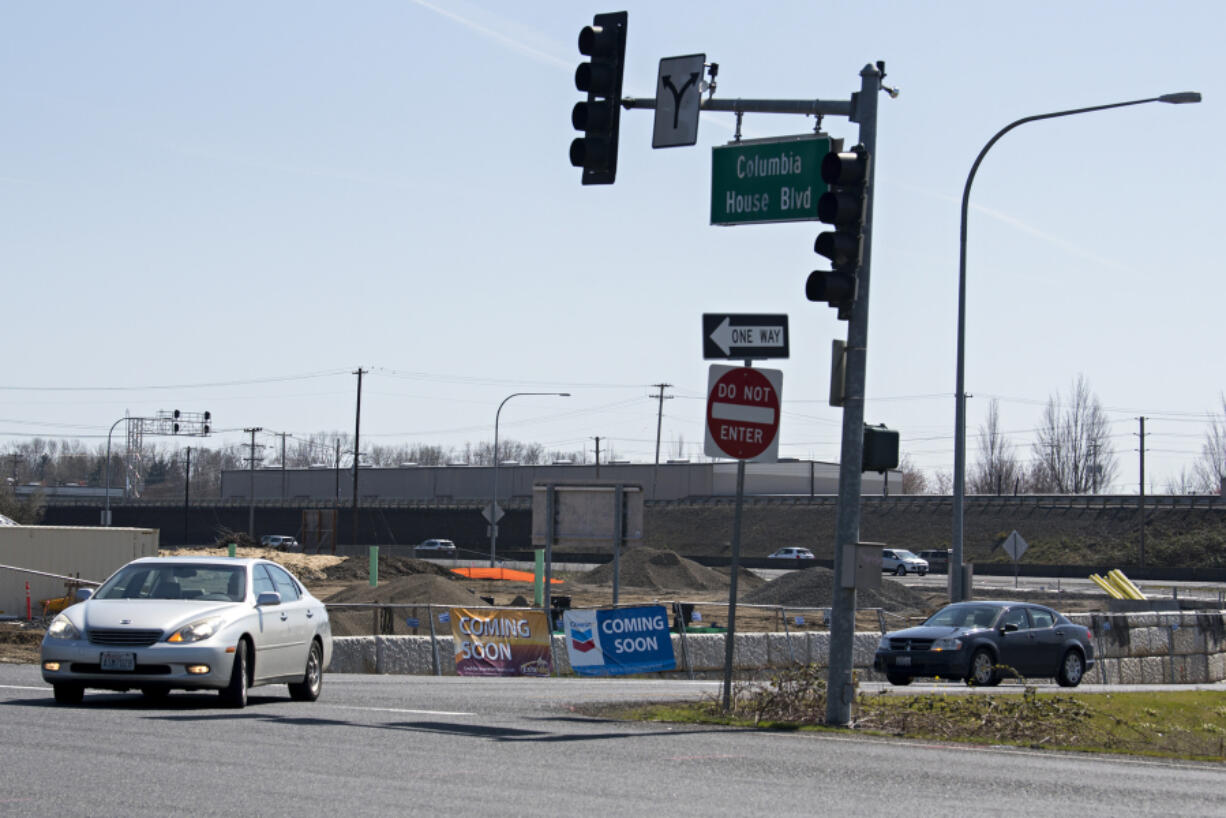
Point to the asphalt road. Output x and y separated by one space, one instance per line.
410 745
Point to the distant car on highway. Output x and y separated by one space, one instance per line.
902 562
280 542
792 554
937 559
190 623
982 641
436 548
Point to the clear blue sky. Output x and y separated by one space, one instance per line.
231 206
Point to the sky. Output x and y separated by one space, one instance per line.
234 206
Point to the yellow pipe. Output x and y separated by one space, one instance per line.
1124 591
1106 586
1127 583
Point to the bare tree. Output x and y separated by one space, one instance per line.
914 480
944 481
998 471
1072 448
1209 472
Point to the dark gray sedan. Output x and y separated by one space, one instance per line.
982 641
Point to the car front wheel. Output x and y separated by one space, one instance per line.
900 571
1072 669
898 679
983 671
312 679
68 693
235 693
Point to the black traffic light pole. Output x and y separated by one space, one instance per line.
596 153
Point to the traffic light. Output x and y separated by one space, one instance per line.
174 427
846 173
601 78
208 417
880 449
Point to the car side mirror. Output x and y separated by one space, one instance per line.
84 594
268 598
1010 628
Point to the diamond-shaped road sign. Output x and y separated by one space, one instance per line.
678 101
492 513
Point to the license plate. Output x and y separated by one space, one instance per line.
118 661
902 661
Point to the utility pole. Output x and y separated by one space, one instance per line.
598 457
251 462
282 435
357 428
187 490
1141 493
15 459
661 397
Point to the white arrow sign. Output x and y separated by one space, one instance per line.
727 336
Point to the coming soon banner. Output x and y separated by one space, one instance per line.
501 643
619 641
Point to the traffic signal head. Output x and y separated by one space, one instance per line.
843 205
601 79
880 449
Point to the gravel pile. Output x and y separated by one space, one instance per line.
354 568
416 589
662 570
814 588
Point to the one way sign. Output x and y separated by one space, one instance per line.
747 337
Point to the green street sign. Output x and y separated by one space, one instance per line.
768 180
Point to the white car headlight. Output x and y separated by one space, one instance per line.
947 643
195 631
62 628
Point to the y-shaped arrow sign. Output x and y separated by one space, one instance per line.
678 94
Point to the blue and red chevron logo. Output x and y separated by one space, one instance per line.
581 639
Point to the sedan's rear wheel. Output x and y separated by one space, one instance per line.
1072 669
983 671
312 679
68 693
898 679
235 693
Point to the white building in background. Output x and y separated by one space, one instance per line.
457 483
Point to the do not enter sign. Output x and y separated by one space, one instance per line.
743 413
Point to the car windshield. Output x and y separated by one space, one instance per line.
219 583
964 616
904 555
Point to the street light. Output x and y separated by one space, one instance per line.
493 511
956 591
106 514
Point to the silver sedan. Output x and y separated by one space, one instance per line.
185 623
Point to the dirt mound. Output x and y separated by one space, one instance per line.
355 568
413 589
666 571
814 588
310 568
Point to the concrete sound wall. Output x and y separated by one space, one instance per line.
1132 648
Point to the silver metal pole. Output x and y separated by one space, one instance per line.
841 685
956 590
106 514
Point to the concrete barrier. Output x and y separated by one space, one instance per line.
1132 648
